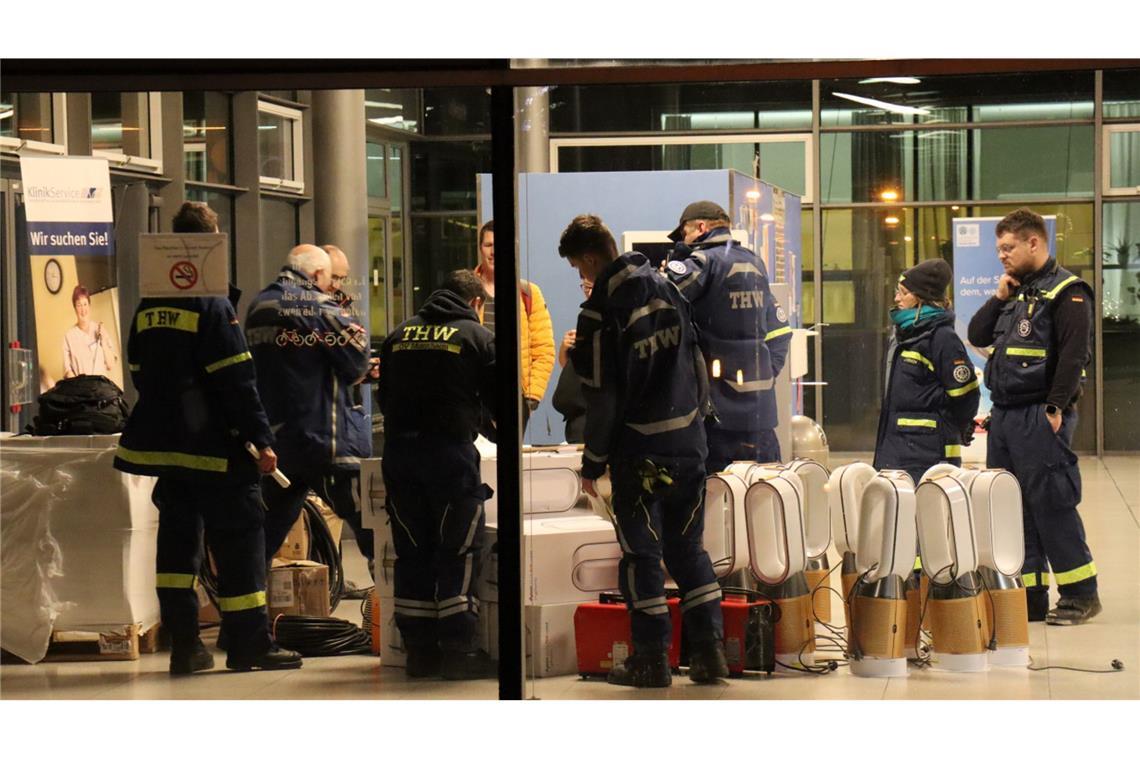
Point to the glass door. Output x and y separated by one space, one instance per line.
387 255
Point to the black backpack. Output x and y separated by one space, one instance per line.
83 405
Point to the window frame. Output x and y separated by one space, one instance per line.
1107 189
294 185
149 164
56 147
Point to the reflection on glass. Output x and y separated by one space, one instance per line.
675 107
443 174
936 165
1121 326
378 275
396 177
780 163
1121 93
1029 162
440 245
396 251
27 116
957 99
376 157
206 136
275 145
120 123
1124 159
396 109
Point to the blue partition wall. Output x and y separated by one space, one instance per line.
626 201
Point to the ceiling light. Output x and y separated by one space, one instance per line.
891 220
889 195
767 218
908 238
890 80
752 195
906 110
953 208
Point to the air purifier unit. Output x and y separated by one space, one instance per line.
817 533
995 502
845 490
884 557
949 560
773 516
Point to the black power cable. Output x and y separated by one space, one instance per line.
1117 666
323 549
321 637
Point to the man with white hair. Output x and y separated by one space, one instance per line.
309 352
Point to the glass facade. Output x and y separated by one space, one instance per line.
120 123
1121 326
26 116
206 128
275 145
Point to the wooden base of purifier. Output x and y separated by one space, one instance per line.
795 632
914 601
1011 615
879 628
957 626
821 599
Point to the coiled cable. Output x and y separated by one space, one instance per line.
321 637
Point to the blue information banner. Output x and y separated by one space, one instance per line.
71 238
977 272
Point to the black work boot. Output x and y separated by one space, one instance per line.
423 661
646 668
457 665
707 663
275 658
1074 610
183 662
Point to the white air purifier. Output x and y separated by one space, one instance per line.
773 515
724 537
817 533
884 558
844 493
950 561
995 503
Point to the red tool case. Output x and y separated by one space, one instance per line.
602 634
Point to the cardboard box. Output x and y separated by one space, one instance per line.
567 559
298 587
549 638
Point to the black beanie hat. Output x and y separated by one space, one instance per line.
928 280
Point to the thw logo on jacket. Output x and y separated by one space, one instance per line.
641 368
744 333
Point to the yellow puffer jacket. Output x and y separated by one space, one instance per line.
537 342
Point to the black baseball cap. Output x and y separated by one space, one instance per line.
697 210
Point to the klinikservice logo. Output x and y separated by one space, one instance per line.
68 194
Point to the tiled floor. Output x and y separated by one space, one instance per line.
1111 512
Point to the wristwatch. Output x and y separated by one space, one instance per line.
1051 409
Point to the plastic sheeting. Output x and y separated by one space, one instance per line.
29 555
102 529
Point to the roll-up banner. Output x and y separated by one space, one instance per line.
71 239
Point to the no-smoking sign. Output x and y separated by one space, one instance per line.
183 275
183 265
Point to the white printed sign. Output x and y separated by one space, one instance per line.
183 265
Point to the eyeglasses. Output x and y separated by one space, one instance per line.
337 279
